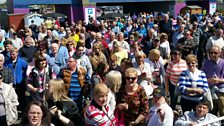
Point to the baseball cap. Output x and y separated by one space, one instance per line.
158 92
157 38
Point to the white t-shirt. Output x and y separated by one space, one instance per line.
111 102
155 118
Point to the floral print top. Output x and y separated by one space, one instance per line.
137 104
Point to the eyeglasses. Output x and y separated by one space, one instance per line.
130 78
1 77
213 52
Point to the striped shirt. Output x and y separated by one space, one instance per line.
99 116
186 81
174 70
75 89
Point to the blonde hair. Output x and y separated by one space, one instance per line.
113 80
131 70
140 54
191 57
12 50
58 90
100 88
97 45
154 54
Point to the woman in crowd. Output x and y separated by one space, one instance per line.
70 46
193 84
164 43
35 114
173 71
119 52
31 65
97 55
98 113
63 109
8 103
157 67
125 64
132 100
113 81
38 79
100 72
135 47
144 72
143 68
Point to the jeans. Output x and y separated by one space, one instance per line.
173 97
3 120
187 105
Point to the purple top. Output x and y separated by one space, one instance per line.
210 67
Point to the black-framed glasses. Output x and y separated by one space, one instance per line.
130 78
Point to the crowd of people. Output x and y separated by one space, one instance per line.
132 71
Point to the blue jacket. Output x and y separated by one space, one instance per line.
19 73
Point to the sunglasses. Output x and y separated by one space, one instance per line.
1 77
213 52
130 78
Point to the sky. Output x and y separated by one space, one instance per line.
2 1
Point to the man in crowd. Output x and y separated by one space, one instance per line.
201 115
214 70
124 44
161 114
17 42
28 50
113 63
7 45
83 59
165 25
186 44
58 57
6 73
74 79
177 35
196 34
217 39
18 67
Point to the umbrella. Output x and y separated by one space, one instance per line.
54 15
112 15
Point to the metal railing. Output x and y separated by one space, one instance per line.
210 121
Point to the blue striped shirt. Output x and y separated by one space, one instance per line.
185 81
75 89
